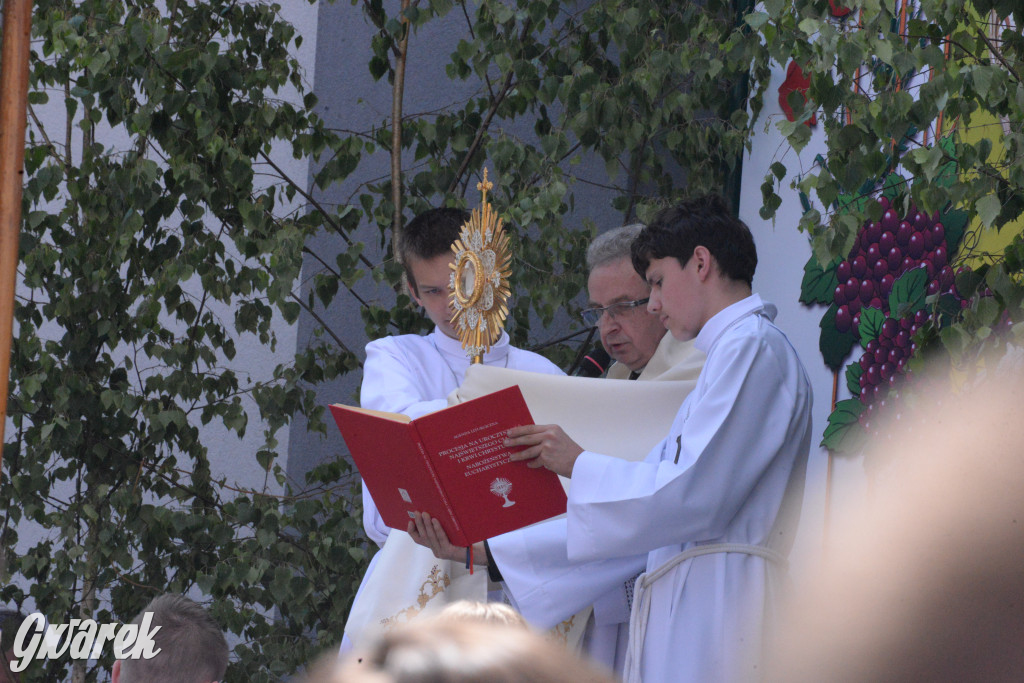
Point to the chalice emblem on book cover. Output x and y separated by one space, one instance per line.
501 487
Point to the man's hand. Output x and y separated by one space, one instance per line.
428 532
547 446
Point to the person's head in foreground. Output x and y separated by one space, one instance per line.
477 611
10 622
460 651
698 259
923 580
192 646
618 296
425 251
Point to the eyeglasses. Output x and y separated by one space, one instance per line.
592 316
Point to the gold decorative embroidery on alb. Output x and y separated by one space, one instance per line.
561 631
436 583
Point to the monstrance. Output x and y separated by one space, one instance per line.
479 280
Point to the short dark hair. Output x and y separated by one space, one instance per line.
429 234
192 645
701 222
10 622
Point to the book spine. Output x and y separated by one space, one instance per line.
439 487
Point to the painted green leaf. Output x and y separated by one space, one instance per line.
853 373
947 175
955 223
871 320
841 422
894 186
819 284
908 293
834 345
851 202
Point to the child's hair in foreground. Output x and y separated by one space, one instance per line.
428 235
701 222
460 651
471 610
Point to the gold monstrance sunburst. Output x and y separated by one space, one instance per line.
479 280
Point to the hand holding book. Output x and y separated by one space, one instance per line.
429 533
454 464
546 446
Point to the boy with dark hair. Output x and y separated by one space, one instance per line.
428 235
705 221
413 375
704 513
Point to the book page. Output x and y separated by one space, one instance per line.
383 414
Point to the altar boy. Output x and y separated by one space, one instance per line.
413 375
700 514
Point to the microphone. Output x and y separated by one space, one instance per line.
594 363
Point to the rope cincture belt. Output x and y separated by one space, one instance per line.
642 595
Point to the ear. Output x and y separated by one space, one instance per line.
115 673
410 289
704 262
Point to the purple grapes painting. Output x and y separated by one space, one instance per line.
897 279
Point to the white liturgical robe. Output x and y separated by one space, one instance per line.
720 476
413 375
672 360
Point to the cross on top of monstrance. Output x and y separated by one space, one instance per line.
479 280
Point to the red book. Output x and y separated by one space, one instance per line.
452 465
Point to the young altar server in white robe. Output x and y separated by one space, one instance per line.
414 374
700 513
644 351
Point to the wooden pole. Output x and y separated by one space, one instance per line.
17 19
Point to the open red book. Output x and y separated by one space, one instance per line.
452 465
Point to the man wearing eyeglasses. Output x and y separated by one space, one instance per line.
642 349
632 336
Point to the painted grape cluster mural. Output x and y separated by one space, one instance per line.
897 280
914 208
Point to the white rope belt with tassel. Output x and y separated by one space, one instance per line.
641 610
